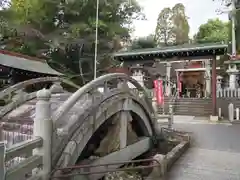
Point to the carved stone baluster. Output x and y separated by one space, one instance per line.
43 126
106 89
2 159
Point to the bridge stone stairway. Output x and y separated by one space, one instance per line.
193 106
113 126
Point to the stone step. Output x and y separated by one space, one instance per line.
205 102
193 106
192 114
193 109
194 99
192 103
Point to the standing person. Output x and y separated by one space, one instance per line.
198 90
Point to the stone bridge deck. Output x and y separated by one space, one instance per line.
215 154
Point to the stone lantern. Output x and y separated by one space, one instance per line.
219 82
138 74
232 71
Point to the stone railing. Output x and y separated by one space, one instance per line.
221 93
32 158
228 93
17 130
37 155
19 134
105 83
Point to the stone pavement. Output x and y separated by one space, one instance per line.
214 153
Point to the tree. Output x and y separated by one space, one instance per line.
172 26
64 31
180 24
214 30
164 28
237 16
227 3
143 42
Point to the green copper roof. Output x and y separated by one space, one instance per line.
182 50
27 65
232 62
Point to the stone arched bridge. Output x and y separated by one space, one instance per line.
52 130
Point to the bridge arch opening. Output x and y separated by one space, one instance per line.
102 144
136 127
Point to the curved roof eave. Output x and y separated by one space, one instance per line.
187 48
27 65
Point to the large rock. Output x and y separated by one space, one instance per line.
111 142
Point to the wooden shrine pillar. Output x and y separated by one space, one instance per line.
214 87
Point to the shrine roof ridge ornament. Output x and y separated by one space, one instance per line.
186 50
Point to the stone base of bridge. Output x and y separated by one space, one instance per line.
165 161
162 163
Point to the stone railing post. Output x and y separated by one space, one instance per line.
56 88
160 168
1 132
43 128
2 160
231 112
237 113
170 119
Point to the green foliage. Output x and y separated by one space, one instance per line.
164 28
214 30
181 27
144 42
172 26
63 32
237 28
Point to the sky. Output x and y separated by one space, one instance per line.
198 12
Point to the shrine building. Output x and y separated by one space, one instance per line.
191 65
15 67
